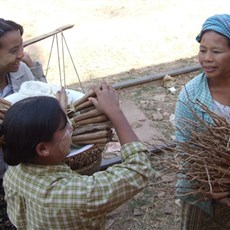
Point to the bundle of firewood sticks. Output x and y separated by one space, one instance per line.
90 125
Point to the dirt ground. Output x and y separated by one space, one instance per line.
116 41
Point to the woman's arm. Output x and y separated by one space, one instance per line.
35 67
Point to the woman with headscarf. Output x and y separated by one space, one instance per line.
212 88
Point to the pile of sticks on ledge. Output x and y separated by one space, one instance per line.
204 159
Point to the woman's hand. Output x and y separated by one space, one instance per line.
27 60
106 100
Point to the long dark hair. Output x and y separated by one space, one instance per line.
8 25
27 123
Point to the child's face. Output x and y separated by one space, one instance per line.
61 143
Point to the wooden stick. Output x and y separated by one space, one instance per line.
90 114
91 93
93 141
83 105
216 195
90 136
98 119
92 128
39 38
85 110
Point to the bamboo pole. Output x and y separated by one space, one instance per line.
44 36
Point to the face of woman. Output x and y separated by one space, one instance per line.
11 51
62 140
214 55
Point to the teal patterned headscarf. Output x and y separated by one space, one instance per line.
219 23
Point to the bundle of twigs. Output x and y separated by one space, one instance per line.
90 126
204 159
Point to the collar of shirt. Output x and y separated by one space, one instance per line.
44 169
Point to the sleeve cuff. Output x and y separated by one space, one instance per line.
131 148
37 71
